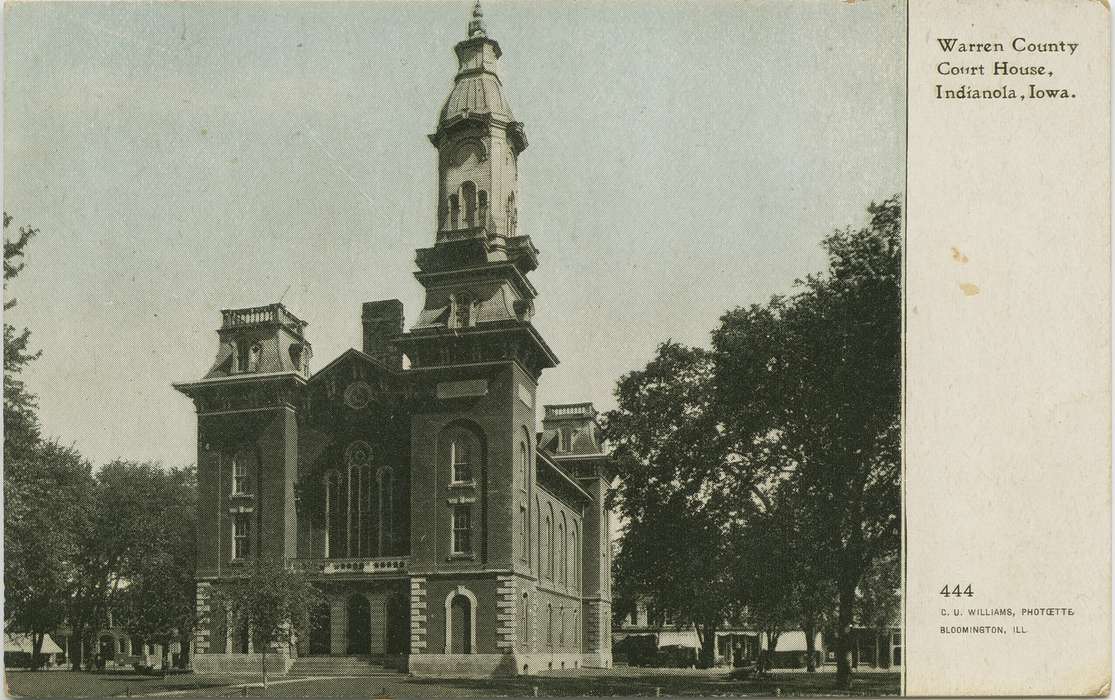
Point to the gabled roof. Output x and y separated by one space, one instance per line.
350 353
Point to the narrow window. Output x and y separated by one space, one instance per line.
482 196
561 634
461 460
511 214
550 625
253 357
468 195
241 545
334 520
454 211
565 440
387 508
523 466
549 547
239 475
462 529
573 558
462 311
242 349
524 540
564 554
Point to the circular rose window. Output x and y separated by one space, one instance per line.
358 394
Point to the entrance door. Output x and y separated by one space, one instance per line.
398 626
461 624
359 624
320 629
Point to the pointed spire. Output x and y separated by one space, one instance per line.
476 26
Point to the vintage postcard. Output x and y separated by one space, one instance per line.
539 349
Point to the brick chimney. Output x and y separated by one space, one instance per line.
383 320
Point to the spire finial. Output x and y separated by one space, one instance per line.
476 26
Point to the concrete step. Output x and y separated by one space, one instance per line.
340 666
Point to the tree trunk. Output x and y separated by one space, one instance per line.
772 646
36 650
263 665
810 648
184 656
77 641
708 646
844 636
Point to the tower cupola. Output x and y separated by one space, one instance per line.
478 142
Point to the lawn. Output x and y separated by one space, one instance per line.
613 682
76 684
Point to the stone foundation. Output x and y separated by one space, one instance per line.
277 663
485 665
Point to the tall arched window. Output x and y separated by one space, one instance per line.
334 516
468 197
386 509
482 201
358 461
512 215
523 459
550 544
550 624
575 556
564 553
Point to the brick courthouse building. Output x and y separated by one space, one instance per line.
448 533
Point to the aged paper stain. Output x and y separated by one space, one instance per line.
969 289
958 256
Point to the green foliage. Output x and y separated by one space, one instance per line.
21 424
667 446
158 603
46 495
776 455
273 601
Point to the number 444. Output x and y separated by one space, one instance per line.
956 591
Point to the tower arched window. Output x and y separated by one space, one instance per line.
575 556
482 204
454 211
468 201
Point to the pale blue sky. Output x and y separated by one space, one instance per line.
181 158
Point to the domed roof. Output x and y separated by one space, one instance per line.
477 92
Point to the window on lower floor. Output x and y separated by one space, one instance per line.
241 544
462 529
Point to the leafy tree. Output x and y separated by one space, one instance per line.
21 424
158 602
667 444
121 531
817 378
46 494
272 601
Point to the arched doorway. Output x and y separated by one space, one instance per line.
320 629
359 624
461 626
107 648
398 625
